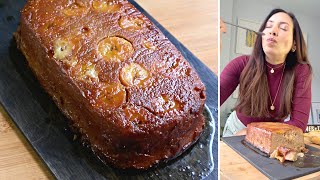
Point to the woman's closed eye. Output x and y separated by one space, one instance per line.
268 25
284 27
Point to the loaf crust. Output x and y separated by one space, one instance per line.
268 136
120 81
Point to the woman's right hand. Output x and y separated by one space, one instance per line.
223 29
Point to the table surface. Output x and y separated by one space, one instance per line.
233 166
194 24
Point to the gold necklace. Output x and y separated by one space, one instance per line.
272 107
272 69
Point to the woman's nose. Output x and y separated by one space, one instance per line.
273 31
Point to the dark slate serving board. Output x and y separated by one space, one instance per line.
272 168
46 129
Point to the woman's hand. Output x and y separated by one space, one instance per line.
241 132
223 29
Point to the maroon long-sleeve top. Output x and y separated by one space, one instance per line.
301 99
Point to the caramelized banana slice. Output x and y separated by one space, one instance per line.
171 103
75 9
164 104
133 74
136 115
112 96
108 6
148 45
91 72
87 73
133 23
62 49
70 62
115 49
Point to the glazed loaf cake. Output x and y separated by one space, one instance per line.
269 136
121 82
280 141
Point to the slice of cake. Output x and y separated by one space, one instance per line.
281 141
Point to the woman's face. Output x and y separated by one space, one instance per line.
278 38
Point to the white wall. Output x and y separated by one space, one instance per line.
256 11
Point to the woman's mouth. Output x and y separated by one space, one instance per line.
271 40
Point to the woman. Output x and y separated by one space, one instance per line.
275 80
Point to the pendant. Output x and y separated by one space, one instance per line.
272 70
272 107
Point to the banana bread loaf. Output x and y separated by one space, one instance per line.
120 81
271 136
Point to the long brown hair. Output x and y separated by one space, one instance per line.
253 92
